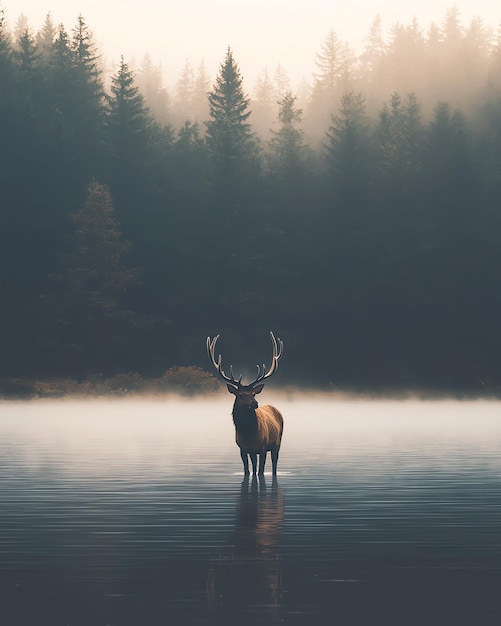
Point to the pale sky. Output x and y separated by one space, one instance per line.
261 33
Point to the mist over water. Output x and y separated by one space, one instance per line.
127 512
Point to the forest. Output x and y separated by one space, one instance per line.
357 215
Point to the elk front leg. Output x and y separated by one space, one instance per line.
253 458
245 461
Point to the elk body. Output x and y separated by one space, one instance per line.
258 430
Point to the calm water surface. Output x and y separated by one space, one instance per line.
137 513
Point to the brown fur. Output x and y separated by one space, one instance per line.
268 433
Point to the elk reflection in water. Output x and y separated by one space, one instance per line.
246 583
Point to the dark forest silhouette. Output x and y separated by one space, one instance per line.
358 216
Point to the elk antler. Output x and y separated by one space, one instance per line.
262 374
211 346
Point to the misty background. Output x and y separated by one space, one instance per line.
262 33
353 210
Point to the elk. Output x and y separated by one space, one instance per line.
257 429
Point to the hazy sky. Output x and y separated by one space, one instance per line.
262 33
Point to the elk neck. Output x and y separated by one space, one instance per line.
244 418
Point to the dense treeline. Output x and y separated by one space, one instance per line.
130 232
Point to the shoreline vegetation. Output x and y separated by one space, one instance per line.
183 381
192 382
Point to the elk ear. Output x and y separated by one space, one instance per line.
257 389
232 389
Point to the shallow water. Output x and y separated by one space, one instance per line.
137 512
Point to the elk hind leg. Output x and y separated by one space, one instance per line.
262 461
274 460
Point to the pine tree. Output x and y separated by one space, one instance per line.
449 185
329 62
45 37
128 124
452 29
88 100
87 59
156 98
345 237
290 183
372 63
201 88
137 148
22 26
304 92
281 83
188 172
330 82
334 63
32 103
434 62
448 152
375 48
95 267
229 136
263 105
348 148
87 301
190 158
400 133
28 61
59 130
184 94
288 150
397 187
75 117
61 61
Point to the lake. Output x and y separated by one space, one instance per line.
136 512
